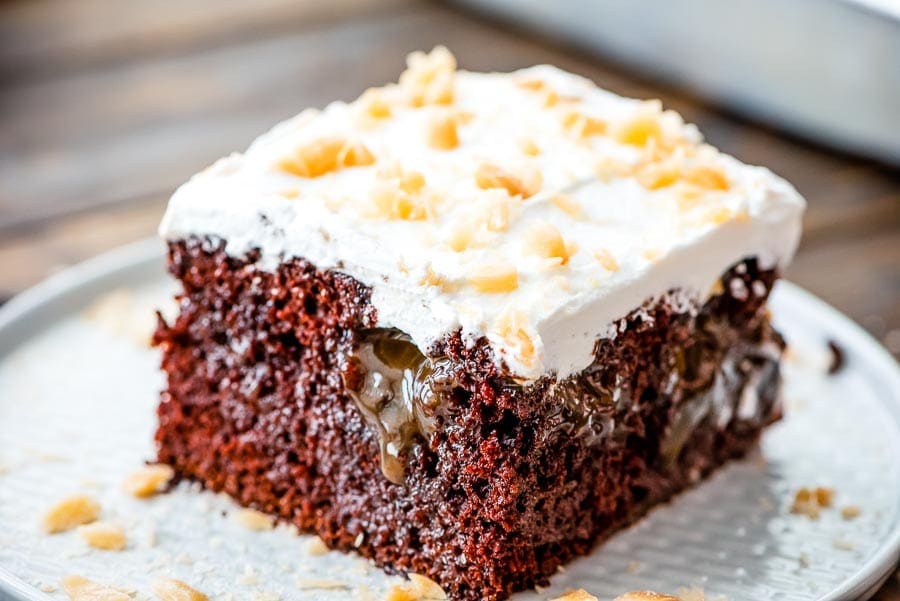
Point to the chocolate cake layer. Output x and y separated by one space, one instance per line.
479 482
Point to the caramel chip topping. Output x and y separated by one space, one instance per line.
442 135
495 278
544 240
428 78
326 155
525 184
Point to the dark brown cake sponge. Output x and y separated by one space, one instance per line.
514 480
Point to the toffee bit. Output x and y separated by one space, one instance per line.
811 501
169 589
70 512
148 480
577 595
252 519
103 535
78 588
643 596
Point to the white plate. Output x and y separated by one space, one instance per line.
78 388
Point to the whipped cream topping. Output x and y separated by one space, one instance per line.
532 208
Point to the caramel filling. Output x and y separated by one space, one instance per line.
397 389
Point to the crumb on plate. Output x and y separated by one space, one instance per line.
811 501
419 588
79 588
576 595
169 589
148 481
316 546
72 511
103 535
254 520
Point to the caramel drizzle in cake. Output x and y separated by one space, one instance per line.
398 391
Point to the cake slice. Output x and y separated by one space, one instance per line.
470 324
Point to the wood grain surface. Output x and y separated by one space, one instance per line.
106 106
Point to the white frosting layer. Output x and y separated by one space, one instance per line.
638 215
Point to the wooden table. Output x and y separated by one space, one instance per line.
106 106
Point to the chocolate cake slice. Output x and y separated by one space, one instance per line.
469 325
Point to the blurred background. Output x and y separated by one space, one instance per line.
106 106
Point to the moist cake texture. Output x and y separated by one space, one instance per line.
470 324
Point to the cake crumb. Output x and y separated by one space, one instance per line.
804 560
850 512
103 535
811 501
644 596
47 588
266 596
248 577
583 595
254 520
169 589
633 567
72 511
419 588
843 544
148 481
824 496
79 588
316 546
324 584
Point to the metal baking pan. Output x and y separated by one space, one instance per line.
827 70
